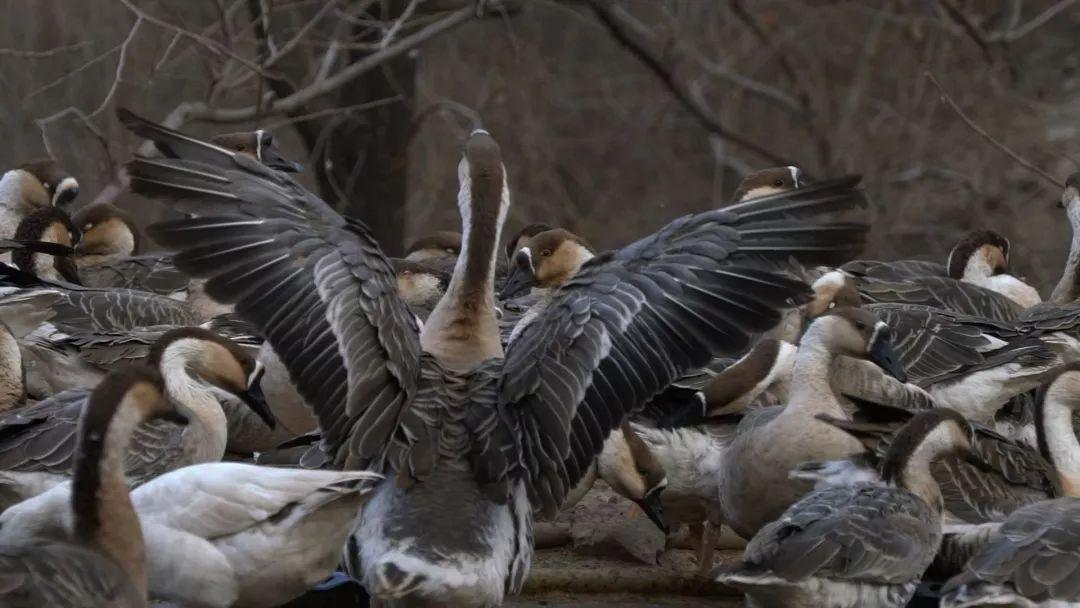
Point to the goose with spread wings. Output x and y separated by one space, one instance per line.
474 440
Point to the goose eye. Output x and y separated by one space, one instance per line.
545 253
87 227
449 250
778 183
832 304
860 326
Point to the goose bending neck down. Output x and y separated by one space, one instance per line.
1067 289
104 564
982 258
755 487
862 546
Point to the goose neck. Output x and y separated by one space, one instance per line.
811 391
12 385
205 435
907 465
1068 288
1058 442
104 516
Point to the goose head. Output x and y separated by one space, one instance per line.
55 186
834 289
444 244
48 225
929 436
107 230
516 242
631 469
215 360
420 285
858 333
258 145
546 260
980 254
769 181
1058 443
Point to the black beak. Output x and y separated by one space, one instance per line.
521 277
271 158
654 509
883 355
254 398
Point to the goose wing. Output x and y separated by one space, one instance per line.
941 292
937 345
315 284
897 270
1037 552
153 272
866 533
61 574
632 321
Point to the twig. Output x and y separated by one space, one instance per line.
1040 20
358 107
969 28
300 98
396 27
607 17
974 127
121 62
47 53
71 73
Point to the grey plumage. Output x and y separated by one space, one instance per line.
61 575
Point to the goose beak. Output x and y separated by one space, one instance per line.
521 276
271 158
254 398
654 509
882 354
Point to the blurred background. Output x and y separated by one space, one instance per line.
615 116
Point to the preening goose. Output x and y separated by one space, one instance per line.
982 258
258 145
38 442
865 546
1033 557
442 411
103 564
766 182
49 225
225 534
29 187
753 476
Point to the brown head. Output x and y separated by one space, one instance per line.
258 145
546 260
834 289
420 285
982 252
107 230
769 181
514 243
929 436
49 225
437 245
858 333
628 465
60 186
215 360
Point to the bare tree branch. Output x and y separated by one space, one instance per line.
614 23
1016 33
121 63
46 53
974 127
969 28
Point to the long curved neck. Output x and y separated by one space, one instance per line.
463 330
1068 287
205 435
12 385
104 516
1058 442
908 466
811 392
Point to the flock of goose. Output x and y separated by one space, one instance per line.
274 402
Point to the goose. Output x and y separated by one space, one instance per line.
37 443
32 186
514 243
766 182
49 225
225 533
440 245
863 546
1031 557
753 475
982 258
258 145
103 563
421 405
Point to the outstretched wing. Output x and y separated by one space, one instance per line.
315 284
632 321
